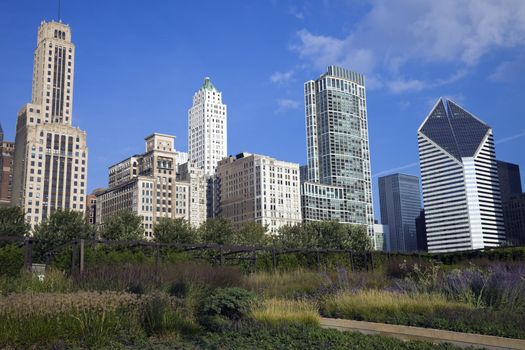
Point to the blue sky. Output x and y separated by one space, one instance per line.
138 64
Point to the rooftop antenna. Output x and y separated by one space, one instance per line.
59 20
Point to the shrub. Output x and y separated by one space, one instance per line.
162 314
225 306
11 260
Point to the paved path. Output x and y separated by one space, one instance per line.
464 340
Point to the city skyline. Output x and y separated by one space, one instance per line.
267 105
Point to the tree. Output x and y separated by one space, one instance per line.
13 222
63 226
325 235
252 234
60 227
174 231
360 241
217 230
294 236
124 225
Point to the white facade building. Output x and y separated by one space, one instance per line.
207 128
460 182
258 188
50 165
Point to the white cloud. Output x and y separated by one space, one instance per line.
396 34
281 77
299 14
287 104
400 86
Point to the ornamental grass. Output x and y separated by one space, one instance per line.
277 312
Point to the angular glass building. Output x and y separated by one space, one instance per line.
459 176
400 203
337 185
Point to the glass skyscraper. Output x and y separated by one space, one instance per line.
400 202
338 183
459 176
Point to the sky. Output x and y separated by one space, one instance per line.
138 64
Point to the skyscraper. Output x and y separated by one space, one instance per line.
207 128
338 184
50 166
459 175
400 203
513 201
509 179
7 151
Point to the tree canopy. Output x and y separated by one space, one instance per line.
62 226
174 231
124 225
13 222
325 235
217 230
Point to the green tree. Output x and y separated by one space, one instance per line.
296 236
63 226
359 239
60 227
325 235
13 222
217 230
124 225
252 234
174 231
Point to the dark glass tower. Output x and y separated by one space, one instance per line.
509 179
400 203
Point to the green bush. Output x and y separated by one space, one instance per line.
162 314
224 307
11 260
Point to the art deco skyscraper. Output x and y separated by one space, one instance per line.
207 128
338 185
50 164
459 174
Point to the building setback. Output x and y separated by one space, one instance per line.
460 183
50 165
253 187
7 152
338 182
153 185
400 202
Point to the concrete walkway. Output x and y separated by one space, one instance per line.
464 340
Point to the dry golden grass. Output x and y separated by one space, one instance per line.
278 311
